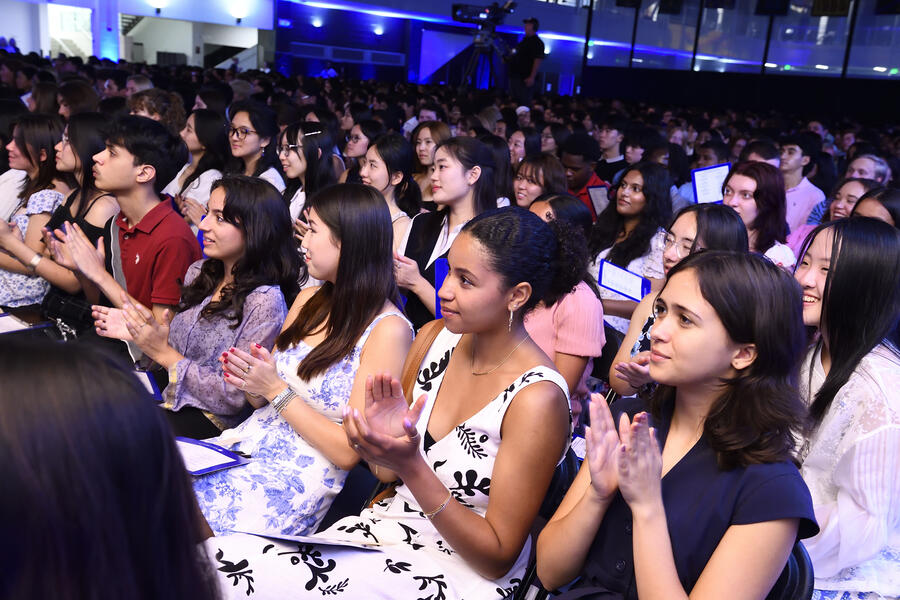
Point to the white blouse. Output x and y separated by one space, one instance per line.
199 189
851 463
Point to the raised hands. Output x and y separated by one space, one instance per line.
300 229
87 259
636 372
602 443
110 322
151 336
386 434
59 249
639 465
253 372
193 210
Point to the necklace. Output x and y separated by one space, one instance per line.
500 364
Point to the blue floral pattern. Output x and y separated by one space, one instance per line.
288 485
17 289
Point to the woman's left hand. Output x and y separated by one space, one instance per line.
640 465
253 372
150 335
193 210
386 435
406 271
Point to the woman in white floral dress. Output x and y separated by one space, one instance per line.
476 451
299 453
32 149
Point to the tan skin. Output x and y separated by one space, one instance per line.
103 208
383 352
534 429
630 460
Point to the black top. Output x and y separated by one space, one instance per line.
423 236
607 170
701 502
63 214
529 49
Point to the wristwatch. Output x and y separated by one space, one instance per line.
281 400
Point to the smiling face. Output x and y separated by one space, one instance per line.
221 239
293 161
845 198
516 147
321 250
243 138
450 181
739 194
374 172
472 296
689 345
528 185
630 199
812 273
425 147
18 158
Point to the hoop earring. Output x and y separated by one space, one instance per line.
509 324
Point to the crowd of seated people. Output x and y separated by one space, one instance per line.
328 276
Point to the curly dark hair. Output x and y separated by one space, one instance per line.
270 256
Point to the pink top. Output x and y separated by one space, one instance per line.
574 325
796 238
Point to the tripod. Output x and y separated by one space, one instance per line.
485 44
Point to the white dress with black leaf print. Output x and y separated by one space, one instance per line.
405 558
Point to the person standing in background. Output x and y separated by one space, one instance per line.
524 63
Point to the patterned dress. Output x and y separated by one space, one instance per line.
17 289
287 487
405 558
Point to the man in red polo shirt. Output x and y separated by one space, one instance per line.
148 246
579 157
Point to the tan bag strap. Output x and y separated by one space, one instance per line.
424 339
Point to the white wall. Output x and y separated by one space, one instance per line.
23 21
163 35
255 14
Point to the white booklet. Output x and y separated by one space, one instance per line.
708 183
202 457
9 323
622 281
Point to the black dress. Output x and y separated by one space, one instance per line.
701 502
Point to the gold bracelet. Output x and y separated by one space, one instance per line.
437 511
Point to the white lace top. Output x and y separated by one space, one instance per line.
851 464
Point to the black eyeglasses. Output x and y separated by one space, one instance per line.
287 149
240 132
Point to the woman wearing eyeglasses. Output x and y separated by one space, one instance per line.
362 135
303 152
253 129
696 227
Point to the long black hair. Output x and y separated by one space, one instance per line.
270 256
719 227
212 132
861 300
33 133
87 137
397 155
503 179
316 147
100 489
357 216
656 214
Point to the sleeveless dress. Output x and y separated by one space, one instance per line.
287 487
405 558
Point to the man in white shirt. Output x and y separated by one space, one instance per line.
801 196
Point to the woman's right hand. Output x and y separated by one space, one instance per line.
193 210
110 322
636 372
602 443
385 433
300 229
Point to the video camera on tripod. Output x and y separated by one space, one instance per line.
485 41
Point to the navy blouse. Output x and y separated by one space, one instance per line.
701 502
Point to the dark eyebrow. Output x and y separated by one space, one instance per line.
465 272
684 309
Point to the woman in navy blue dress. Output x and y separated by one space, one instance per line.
701 497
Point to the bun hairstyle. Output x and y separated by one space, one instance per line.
552 258
754 418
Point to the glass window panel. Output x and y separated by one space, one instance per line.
666 41
611 27
806 45
875 51
732 39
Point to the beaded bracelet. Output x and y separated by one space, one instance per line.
437 511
